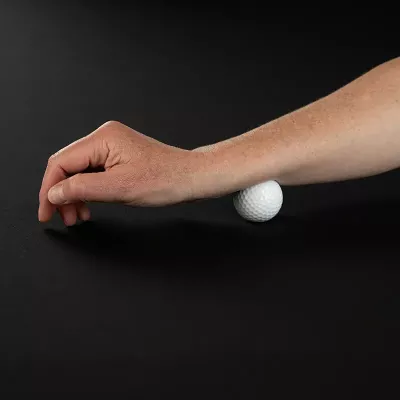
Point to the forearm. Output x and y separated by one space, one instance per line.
353 132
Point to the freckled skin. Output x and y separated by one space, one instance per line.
353 132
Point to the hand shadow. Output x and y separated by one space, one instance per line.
204 249
179 247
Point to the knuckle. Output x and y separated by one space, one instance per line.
113 131
51 159
111 124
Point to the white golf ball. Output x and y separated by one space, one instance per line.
259 203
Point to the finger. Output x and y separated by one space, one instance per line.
68 214
97 187
46 209
83 211
90 151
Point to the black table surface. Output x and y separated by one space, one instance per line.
189 300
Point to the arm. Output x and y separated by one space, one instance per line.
352 133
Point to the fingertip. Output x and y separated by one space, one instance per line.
45 213
68 214
69 223
39 215
85 215
83 212
70 220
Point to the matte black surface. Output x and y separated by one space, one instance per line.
189 300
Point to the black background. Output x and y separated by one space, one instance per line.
190 300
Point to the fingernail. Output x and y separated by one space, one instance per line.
56 195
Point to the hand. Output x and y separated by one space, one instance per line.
134 170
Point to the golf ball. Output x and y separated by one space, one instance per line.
259 203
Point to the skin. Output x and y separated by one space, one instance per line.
354 132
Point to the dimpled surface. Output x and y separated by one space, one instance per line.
259 203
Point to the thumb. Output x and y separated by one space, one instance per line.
97 186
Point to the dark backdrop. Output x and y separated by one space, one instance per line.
190 300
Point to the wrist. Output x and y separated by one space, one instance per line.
244 160
202 175
222 168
